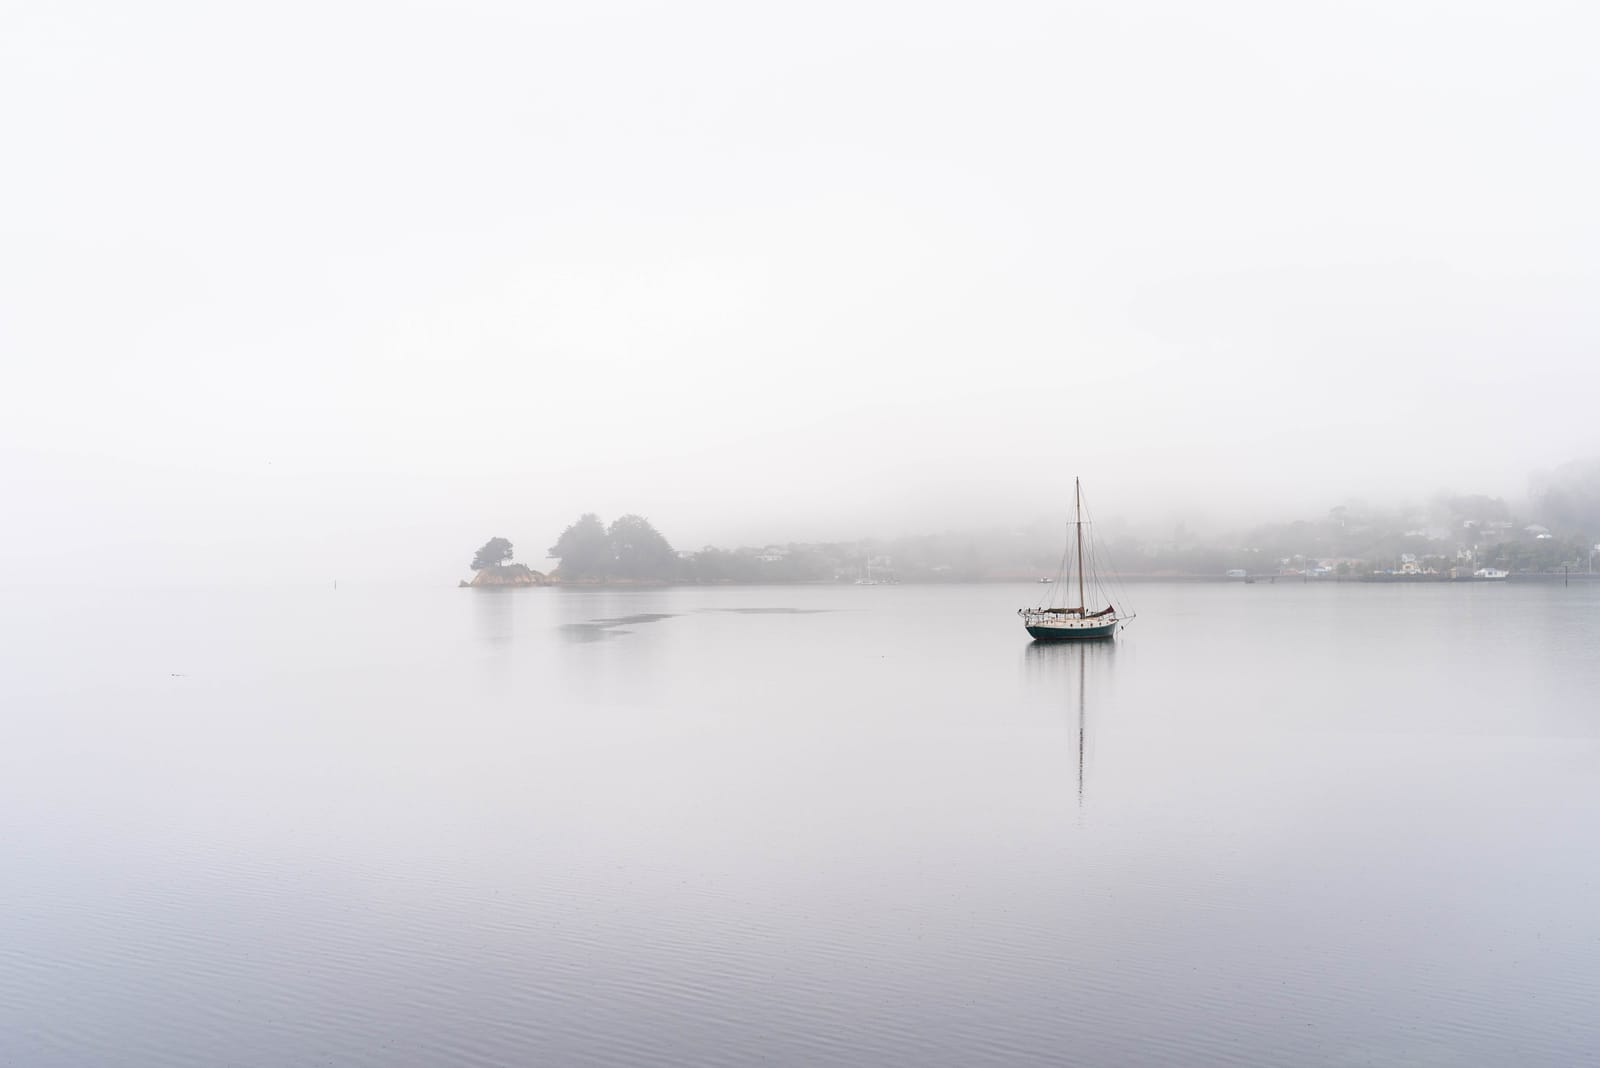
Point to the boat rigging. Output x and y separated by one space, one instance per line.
1056 622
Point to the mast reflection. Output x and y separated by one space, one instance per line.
1060 671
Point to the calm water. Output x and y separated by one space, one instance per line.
1271 825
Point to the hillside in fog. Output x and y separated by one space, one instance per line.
1558 528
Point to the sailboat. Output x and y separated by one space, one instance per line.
1056 622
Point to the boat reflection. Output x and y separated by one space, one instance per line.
1060 671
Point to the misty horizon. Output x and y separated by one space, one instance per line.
764 277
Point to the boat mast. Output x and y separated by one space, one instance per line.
1077 496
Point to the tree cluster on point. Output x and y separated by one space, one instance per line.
629 550
491 566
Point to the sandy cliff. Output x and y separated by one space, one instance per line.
508 575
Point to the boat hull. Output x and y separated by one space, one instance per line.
1071 633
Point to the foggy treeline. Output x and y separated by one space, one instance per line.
1558 527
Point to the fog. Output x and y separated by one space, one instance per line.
307 291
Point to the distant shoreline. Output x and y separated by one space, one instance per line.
1536 577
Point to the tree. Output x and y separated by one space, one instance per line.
583 549
494 552
638 551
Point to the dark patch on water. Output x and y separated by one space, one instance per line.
596 629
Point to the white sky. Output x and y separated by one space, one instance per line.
325 289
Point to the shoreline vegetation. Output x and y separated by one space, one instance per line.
1451 538
1542 577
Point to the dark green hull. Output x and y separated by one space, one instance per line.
1071 634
